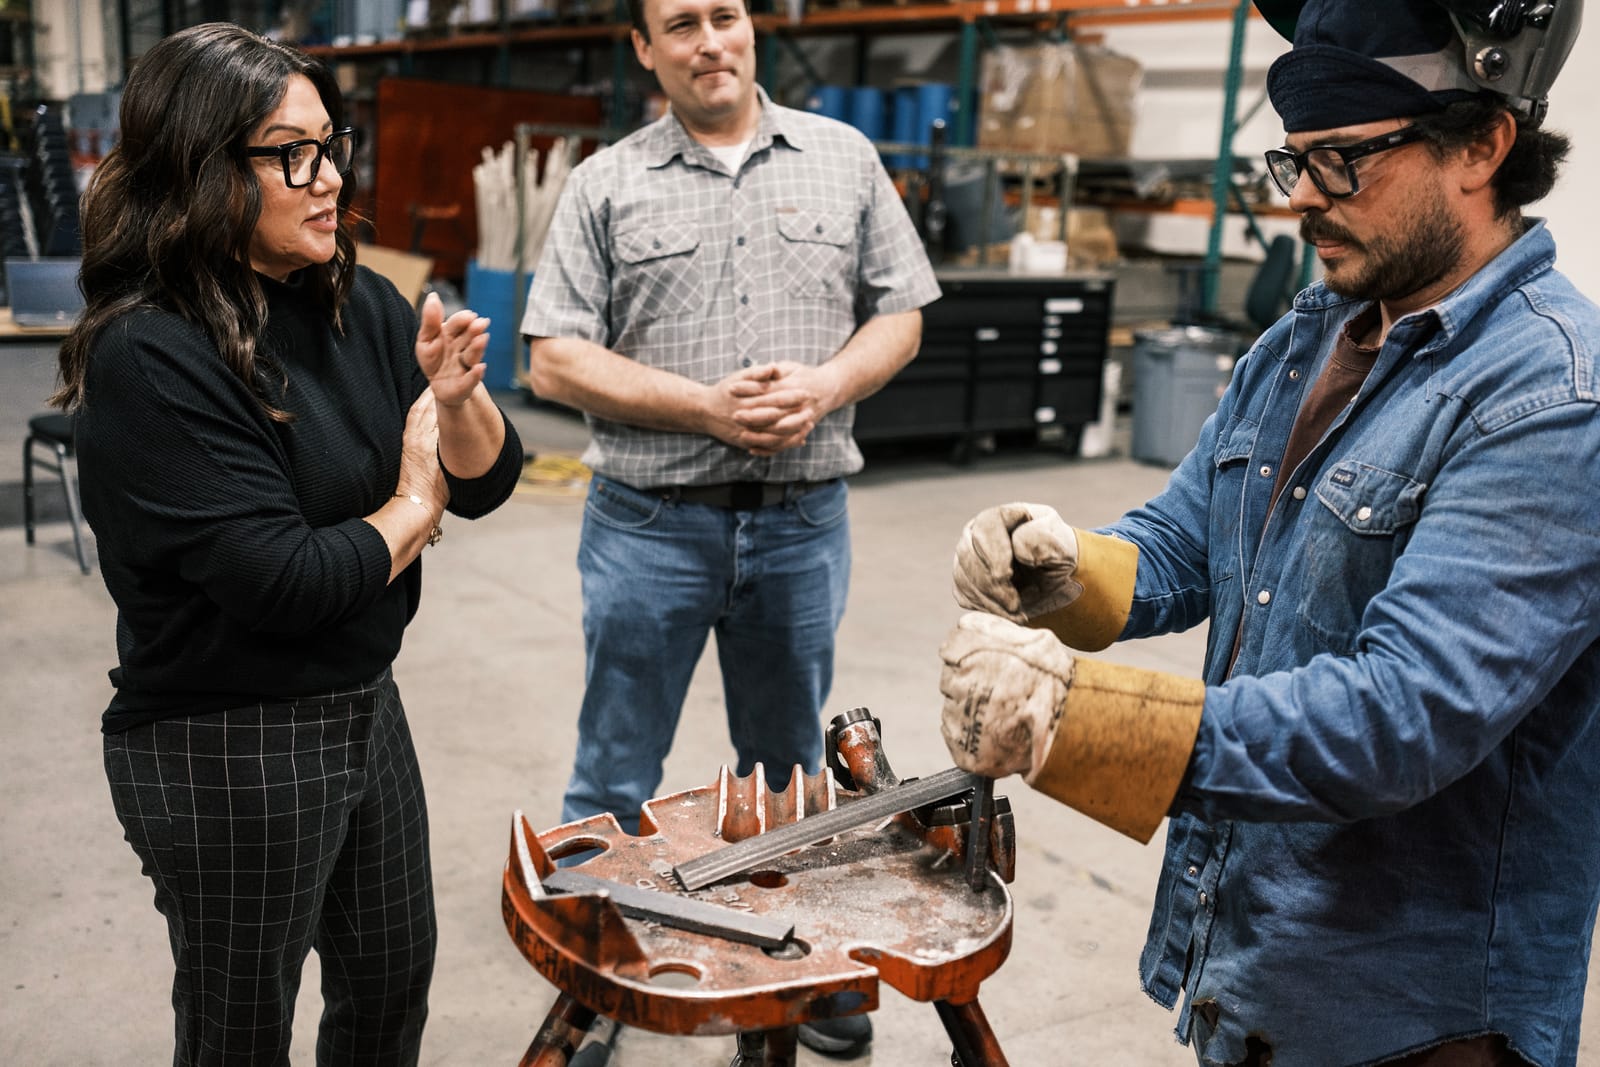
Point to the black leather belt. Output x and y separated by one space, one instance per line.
740 496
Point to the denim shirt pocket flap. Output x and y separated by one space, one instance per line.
668 237
1369 500
816 227
1236 441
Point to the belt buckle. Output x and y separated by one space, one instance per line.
746 496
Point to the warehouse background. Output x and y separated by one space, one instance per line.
76 47
492 668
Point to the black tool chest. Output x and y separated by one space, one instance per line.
1001 355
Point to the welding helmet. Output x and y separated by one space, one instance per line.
1356 62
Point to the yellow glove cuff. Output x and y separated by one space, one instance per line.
1121 745
1107 567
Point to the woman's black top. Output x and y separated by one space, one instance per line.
234 545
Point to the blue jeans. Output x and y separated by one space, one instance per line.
658 576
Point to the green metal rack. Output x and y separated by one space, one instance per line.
972 20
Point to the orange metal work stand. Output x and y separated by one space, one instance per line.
889 902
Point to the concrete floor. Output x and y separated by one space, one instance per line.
491 674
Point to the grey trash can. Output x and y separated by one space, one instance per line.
1179 374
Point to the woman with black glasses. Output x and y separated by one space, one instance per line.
267 438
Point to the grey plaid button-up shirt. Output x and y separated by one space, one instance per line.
658 253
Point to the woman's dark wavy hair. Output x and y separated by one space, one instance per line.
1529 170
169 213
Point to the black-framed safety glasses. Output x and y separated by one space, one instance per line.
302 160
1331 166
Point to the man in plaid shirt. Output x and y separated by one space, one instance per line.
716 293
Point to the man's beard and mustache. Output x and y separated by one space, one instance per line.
1391 266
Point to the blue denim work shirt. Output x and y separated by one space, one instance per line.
1389 834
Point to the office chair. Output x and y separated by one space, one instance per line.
56 432
1271 289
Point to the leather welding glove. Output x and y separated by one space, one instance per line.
1022 562
1016 561
1110 741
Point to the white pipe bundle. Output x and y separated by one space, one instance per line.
539 198
495 185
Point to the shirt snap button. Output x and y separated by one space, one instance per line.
1193 870
1203 898
1299 492
1364 514
1294 376
1266 471
1263 597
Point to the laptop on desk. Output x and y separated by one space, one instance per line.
44 293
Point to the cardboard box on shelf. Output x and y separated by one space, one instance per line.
1054 98
1091 242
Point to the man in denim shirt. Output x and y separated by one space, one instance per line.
1384 843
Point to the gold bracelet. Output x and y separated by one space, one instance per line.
435 535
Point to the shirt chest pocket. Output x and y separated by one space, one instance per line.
1364 521
1235 442
818 253
658 271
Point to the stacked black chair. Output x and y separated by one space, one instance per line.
55 433
13 213
54 187
13 188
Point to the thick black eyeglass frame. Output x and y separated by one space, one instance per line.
324 149
1347 154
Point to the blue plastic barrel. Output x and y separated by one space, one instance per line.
867 111
904 125
493 293
915 108
935 100
830 100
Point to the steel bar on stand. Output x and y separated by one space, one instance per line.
742 856
683 913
